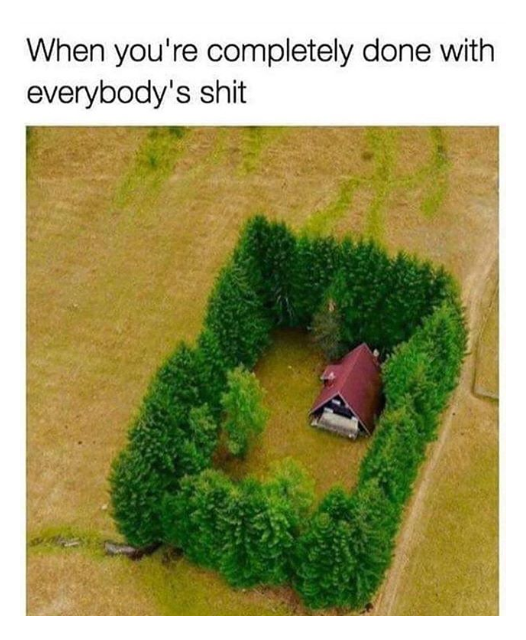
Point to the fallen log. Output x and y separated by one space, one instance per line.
70 543
134 553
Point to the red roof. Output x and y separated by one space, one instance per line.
356 380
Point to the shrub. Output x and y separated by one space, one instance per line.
245 416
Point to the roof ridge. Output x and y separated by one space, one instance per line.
355 352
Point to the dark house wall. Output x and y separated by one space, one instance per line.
341 408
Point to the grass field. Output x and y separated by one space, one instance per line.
126 231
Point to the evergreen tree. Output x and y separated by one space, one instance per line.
325 564
200 516
137 488
252 251
212 370
358 292
374 522
245 416
327 331
268 516
245 530
163 425
403 309
317 261
268 250
394 455
237 318
195 453
277 270
423 371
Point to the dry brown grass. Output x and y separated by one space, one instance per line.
111 290
66 583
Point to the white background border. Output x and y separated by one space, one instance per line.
492 95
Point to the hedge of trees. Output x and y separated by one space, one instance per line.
246 530
163 486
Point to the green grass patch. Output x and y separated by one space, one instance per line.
154 162
255 141
383 145
220 146
30 138
68 539
432 177
30 148
183 589
324 220
438 178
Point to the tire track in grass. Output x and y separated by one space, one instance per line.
480 385
438 181
153 164
323 221
382 144
255 141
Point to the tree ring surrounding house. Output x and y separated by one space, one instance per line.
338 554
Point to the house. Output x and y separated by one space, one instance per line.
351 398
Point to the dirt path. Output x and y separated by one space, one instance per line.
474 299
